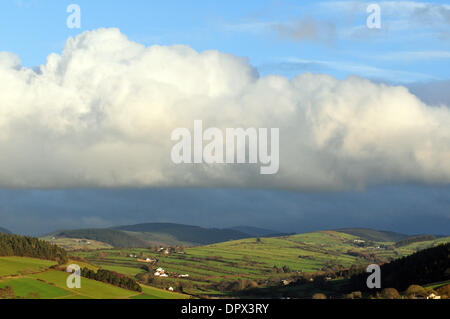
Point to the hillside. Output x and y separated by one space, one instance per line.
76 243
4 231
414 239
371 234
224 269
32 268
423 267
113 237
187 233
220 268
144 235
33 278
23 246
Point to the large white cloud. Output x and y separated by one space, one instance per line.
101 115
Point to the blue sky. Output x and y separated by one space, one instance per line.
413 44
278 37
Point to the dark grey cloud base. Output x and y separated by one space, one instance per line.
403 208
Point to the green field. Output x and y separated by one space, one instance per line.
212 269
31 275
89 288
23 287
155 293
254 259
10 266
76 243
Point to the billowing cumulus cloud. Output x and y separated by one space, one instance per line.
101 115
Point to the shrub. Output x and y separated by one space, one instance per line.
444 291
415 291
390 293
354 295
7 293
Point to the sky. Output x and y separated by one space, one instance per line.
412 44
363 113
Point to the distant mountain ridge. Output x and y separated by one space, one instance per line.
114 237
150 234
172 234
258 232
187 233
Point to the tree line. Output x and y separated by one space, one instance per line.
112 278
423 267
24 246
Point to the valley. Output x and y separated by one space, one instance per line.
294 266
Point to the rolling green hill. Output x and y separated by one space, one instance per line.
414 239
45 283
371 234
231 268
10 266
113 237
32 268
217 269
150 234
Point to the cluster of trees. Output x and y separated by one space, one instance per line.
363 255
426 266
279 270
234 285
15 245
331 267
112 278
413 292
7 293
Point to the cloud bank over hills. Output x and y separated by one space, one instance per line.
101 115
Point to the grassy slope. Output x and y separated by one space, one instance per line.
23 287
89 288
372 234
155 293
158 239
144 235
251 259
51 284
76 243
17 265
186 233
112 237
